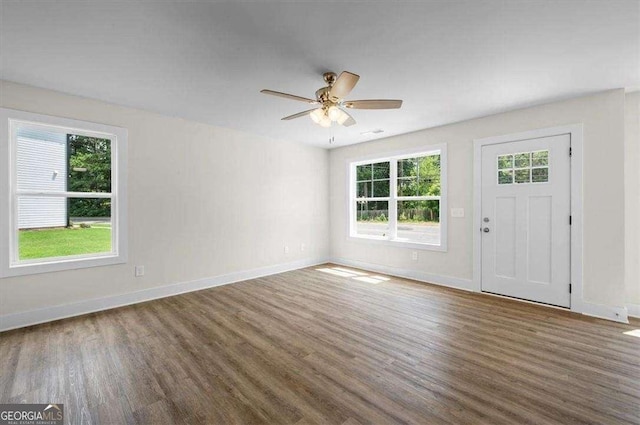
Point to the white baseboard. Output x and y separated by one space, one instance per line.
451 282
617 314
48 314
633 310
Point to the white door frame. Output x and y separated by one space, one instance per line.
575 133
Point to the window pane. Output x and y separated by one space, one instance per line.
381 188
505 161
522 160
429 176
45 228
540 158
89 164
372 218
364 190
419 221
408 186
505 176
48 159
408 167
522 176
540 175
381 170
419 176
363 172
89 208
41 159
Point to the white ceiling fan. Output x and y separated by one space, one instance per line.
331 101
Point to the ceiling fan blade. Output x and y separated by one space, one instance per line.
349 121
289 96
298 115
373 104
344 84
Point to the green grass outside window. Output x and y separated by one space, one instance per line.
63 242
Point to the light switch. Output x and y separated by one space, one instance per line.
457 212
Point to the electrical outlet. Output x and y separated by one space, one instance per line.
286 249
139 271
414 255
302 247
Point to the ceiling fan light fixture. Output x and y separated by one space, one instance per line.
342 117
334 113
325 121
317 115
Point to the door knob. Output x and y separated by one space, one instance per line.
486 230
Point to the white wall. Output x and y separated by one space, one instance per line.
203 202
207 201
632 200
602 116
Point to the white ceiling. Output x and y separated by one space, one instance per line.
206 61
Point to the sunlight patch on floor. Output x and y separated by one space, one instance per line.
342 269
353 274
336 272
367 279
635 332
380 278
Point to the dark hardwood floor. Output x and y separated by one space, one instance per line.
311 347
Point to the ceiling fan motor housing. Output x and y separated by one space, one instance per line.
330 77
322 94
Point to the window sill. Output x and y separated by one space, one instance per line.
397 243
73 263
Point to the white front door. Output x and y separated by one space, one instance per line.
526 207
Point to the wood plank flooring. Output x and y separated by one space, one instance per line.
312 347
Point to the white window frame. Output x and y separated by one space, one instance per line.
10 265
393 158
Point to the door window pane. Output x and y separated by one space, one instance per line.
505 177
522 168
505 161
522 176
540 175
522 160
540 158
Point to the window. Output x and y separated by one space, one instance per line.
398 199
523 167
63 194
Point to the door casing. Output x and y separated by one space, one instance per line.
575 133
